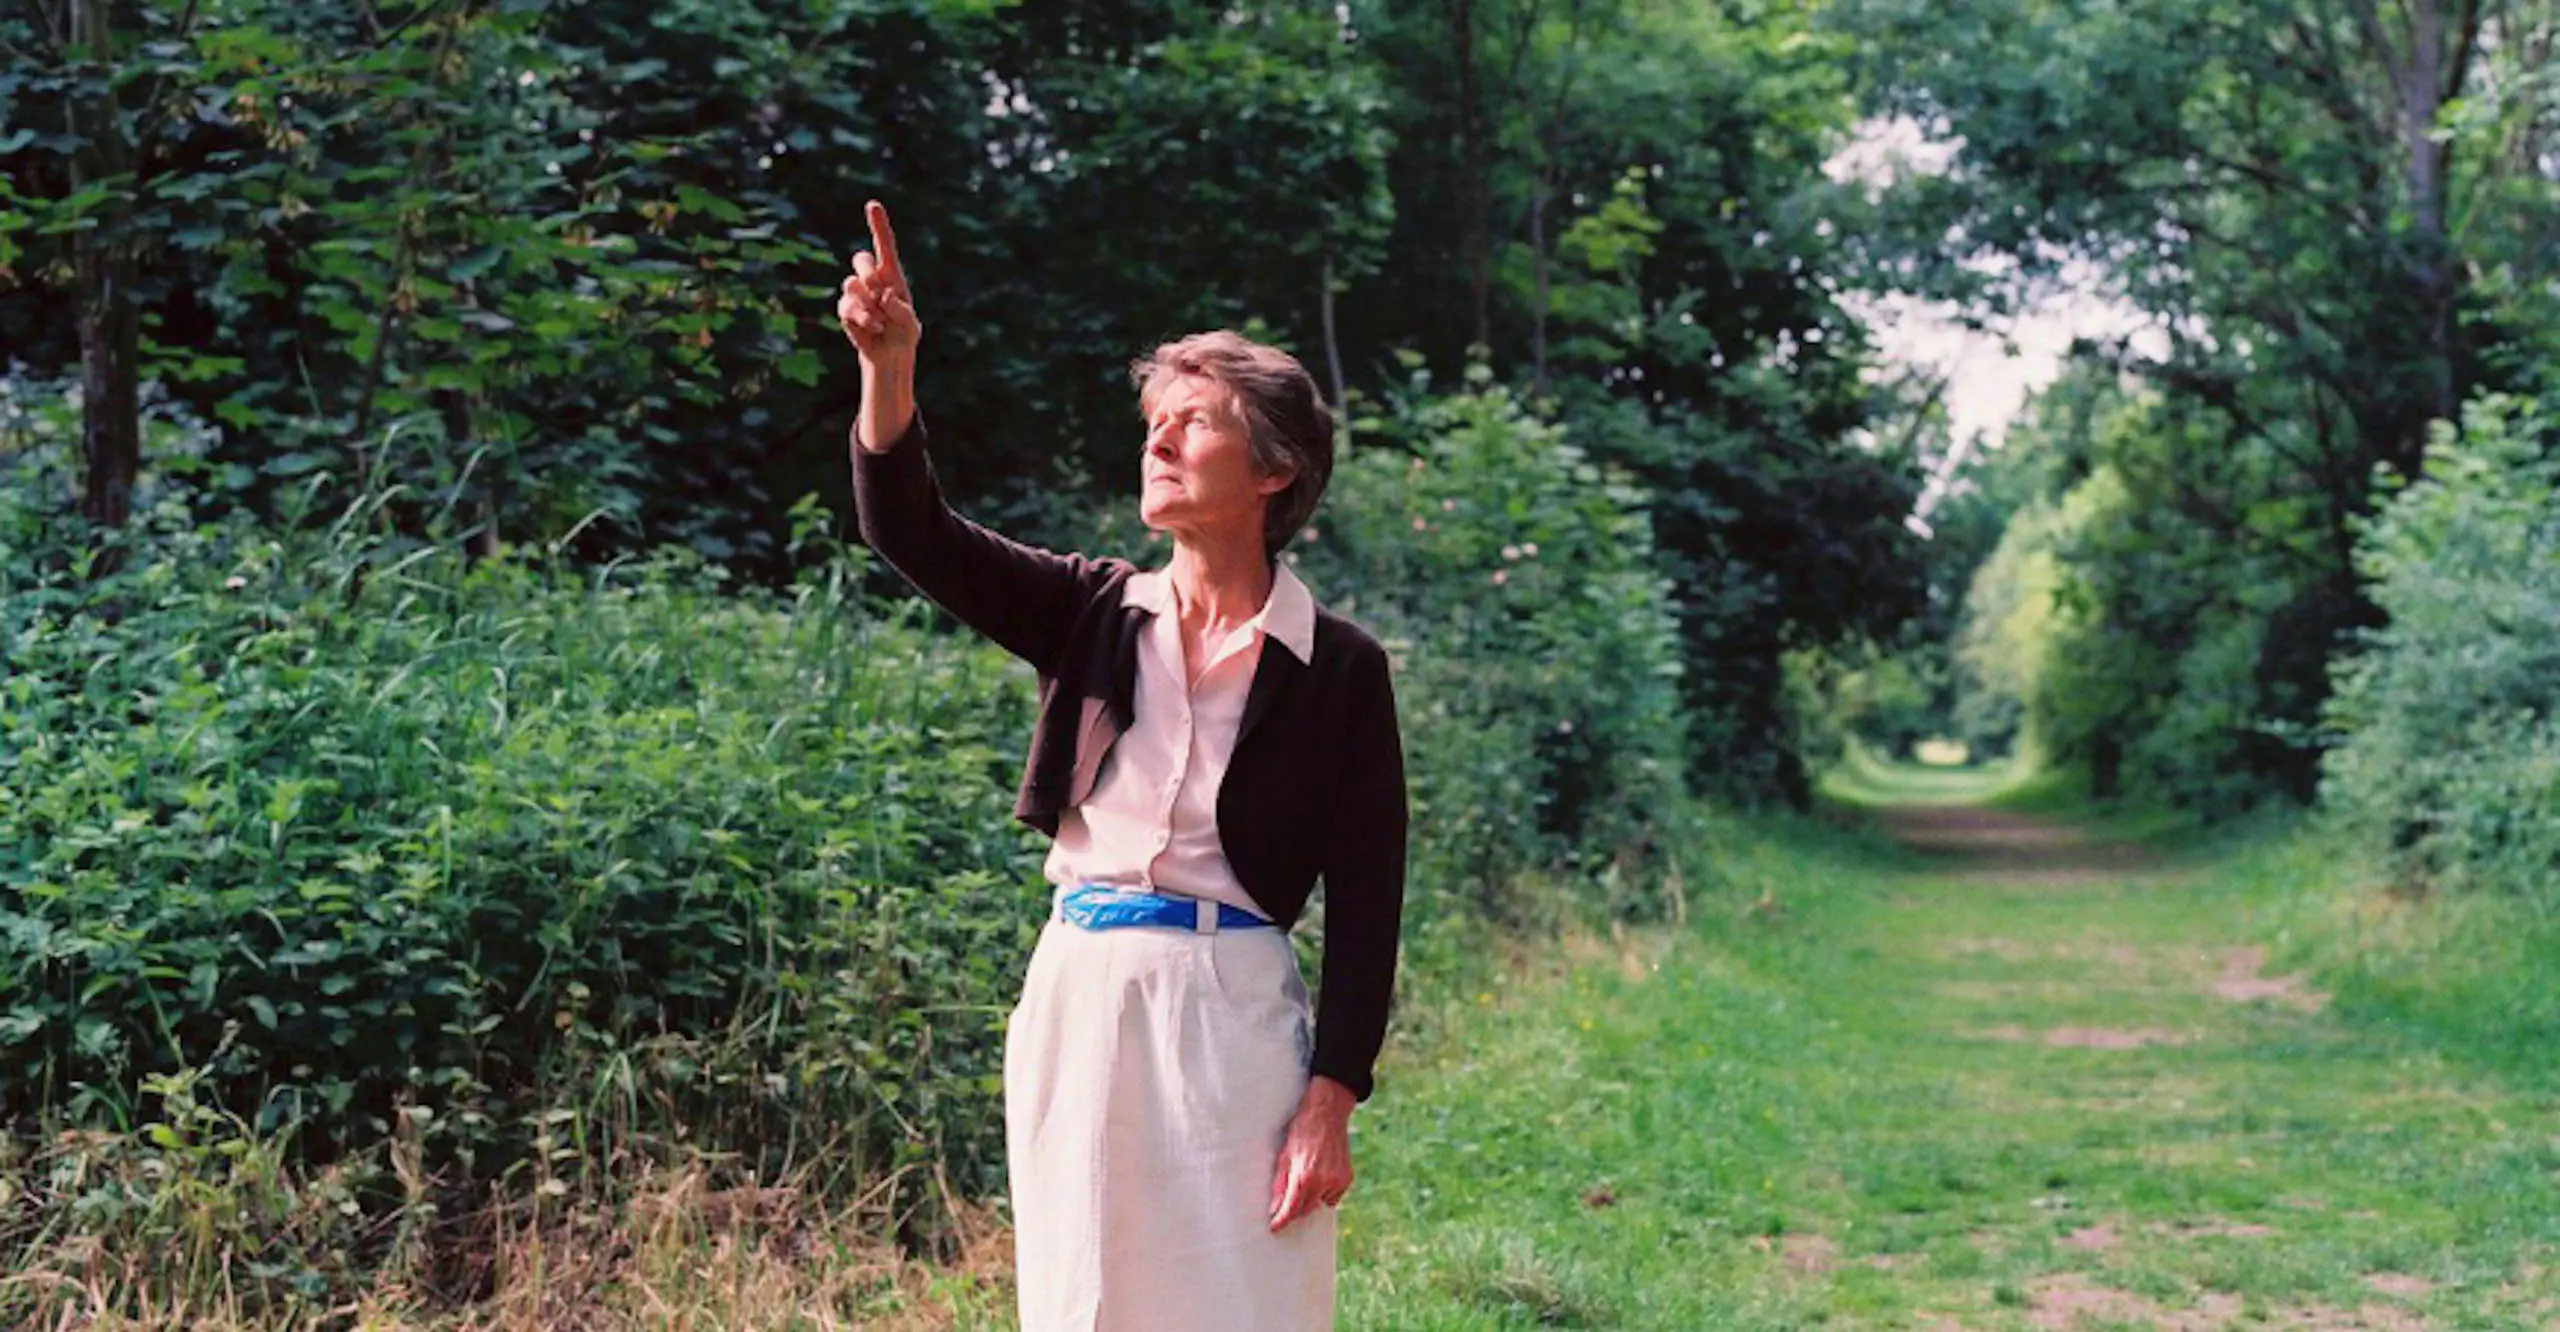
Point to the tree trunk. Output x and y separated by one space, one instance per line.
110 402
2422 96
2106 766
1477 230
1333 363
2536 38
1538 261
482 543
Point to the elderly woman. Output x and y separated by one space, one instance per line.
1209 743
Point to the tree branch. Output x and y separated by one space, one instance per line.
2281 184
383 38
151 120
2369 19
1529 14
2466 42
52 30
2320 65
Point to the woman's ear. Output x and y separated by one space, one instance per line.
1273 484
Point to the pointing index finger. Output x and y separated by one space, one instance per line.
884 240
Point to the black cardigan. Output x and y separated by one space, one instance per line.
1316 783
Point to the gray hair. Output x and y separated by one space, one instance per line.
1287 427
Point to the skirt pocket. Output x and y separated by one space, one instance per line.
1255 976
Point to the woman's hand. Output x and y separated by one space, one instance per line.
878 312
875 305
1315 1158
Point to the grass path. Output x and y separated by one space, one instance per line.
2000 1071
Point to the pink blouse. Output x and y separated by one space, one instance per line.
1152 820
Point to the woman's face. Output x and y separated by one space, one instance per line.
1197 477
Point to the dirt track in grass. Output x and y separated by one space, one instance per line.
2021 1075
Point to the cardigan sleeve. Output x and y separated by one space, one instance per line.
1363 885
1020 596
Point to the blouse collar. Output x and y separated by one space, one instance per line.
1288 615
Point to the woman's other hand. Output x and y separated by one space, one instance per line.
1315 1157
878 312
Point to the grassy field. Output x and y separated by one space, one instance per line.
1958 1056
1987 1068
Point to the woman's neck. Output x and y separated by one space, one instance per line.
1220 582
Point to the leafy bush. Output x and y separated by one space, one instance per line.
2447 724
1514 581
369 837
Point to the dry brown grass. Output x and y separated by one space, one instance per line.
673 1247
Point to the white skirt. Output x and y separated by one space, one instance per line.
1149 1076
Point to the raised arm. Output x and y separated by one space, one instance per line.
1020 596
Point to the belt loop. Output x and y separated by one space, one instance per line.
1204 919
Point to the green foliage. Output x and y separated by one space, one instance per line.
1515 582
2007 633
352 231
2123 632
581 248
1889 703
1620 206
2447 722
354 832
333 845
1775 540
568 262
2321 276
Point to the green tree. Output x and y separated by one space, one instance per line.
2299 194
1641 215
